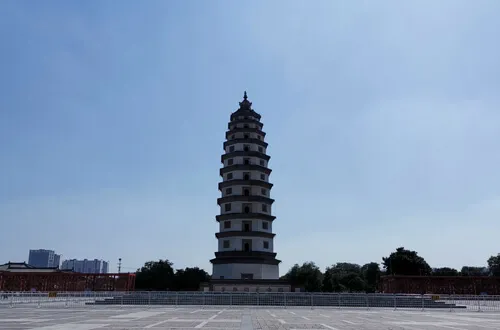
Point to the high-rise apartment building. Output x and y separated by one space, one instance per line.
105 267
94 266
44 258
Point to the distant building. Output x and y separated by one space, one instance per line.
86 266
57 260
105 267
44 258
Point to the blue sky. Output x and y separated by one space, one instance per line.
382 119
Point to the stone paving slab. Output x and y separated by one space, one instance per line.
185 318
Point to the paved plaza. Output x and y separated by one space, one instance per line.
111 317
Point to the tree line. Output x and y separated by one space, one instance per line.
340 277
160 276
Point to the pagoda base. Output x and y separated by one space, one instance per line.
235 286
248 271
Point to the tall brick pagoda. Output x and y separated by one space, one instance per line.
245 236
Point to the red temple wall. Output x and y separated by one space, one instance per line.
27 281
440 284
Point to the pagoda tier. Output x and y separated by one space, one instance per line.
245 236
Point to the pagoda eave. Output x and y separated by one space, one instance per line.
239 216
250 183
258 142
267 260
245 130
227 234
245 167
248 121
241 153
243 198
245 112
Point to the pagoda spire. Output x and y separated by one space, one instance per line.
245 104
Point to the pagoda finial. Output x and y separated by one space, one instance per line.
245 104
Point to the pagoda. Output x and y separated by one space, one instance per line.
245 236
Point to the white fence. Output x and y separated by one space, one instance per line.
252 299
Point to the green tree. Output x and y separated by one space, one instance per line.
444 271
189 279
155 275
342 277
353 282
371 274
344 268
494 265
308 276
406 262
331 282
473 271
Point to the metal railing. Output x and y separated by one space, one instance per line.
250 299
